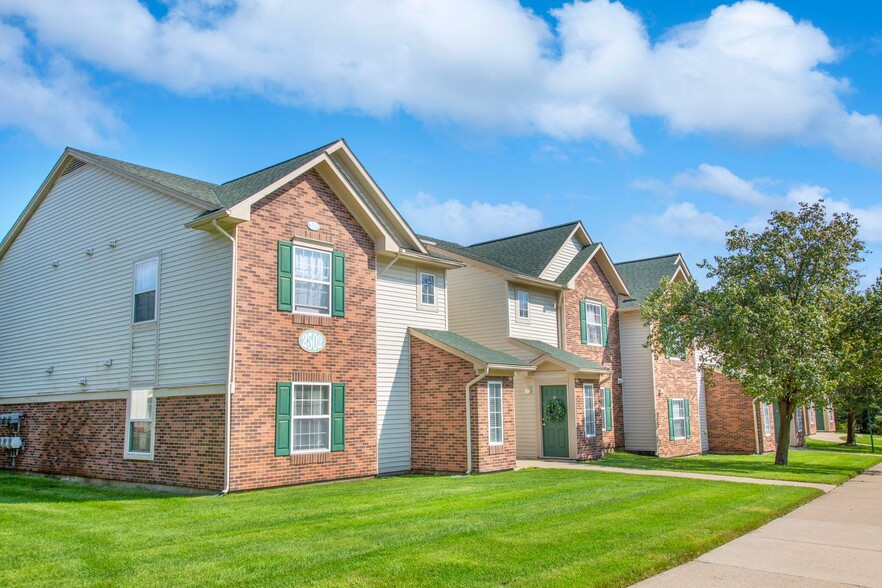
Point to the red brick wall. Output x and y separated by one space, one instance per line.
730 419
603 441
437 415
678 379
87 438
266 340
593 283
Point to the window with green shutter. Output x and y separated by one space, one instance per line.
283 418
678 418
338 416
607 409
284 265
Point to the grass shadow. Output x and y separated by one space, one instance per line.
24 489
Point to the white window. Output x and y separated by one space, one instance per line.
590 416
799 419
312 281
593 323
140 413
427 289
145 299
494 412
678 417
812 413
310 418
767 416
523 305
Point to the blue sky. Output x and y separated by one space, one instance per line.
659 125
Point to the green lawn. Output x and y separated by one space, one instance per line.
864 438
525 528
819 445
803 466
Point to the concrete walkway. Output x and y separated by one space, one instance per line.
571 465
828 436
835 540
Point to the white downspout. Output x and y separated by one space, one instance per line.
755 429
468 391
230 362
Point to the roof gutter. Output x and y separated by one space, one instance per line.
230 361
468 398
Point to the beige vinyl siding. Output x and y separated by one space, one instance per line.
477 307
526 441
638 399
79 315
562 259
542 323
397 309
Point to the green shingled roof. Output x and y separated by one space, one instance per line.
213 195
643 275
470 348
564 356
527 254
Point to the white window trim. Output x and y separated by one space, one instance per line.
799 419
674 419
767 424
155 319
588 392
310 417
517 300
295 279
501 412
599 305
139 455
419 292
812 413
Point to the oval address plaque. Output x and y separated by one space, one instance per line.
312 341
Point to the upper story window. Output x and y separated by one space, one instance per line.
594 323
145 294
523 305
312 281
427 289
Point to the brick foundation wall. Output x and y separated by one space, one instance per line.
678 379
603 441
730 419
87 438
592 283
438 432
267 350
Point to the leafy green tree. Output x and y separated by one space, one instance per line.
859 348
773 316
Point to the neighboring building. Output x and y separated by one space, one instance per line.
825 418
549 298
232 336
663 402
736 423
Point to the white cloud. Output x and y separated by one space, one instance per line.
468 223
56 105
719 180
747 71
654 185
685 220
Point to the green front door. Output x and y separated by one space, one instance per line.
822 422
554 422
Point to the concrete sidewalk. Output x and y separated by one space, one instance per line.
835 540
571 465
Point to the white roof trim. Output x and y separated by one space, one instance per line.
614 273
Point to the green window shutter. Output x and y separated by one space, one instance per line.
283 418
607 408
605 325
338 416
338 287
688 428
583 321
285 275
671 417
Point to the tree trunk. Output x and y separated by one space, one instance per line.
782 451
849 430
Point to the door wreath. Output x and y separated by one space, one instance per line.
555 411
